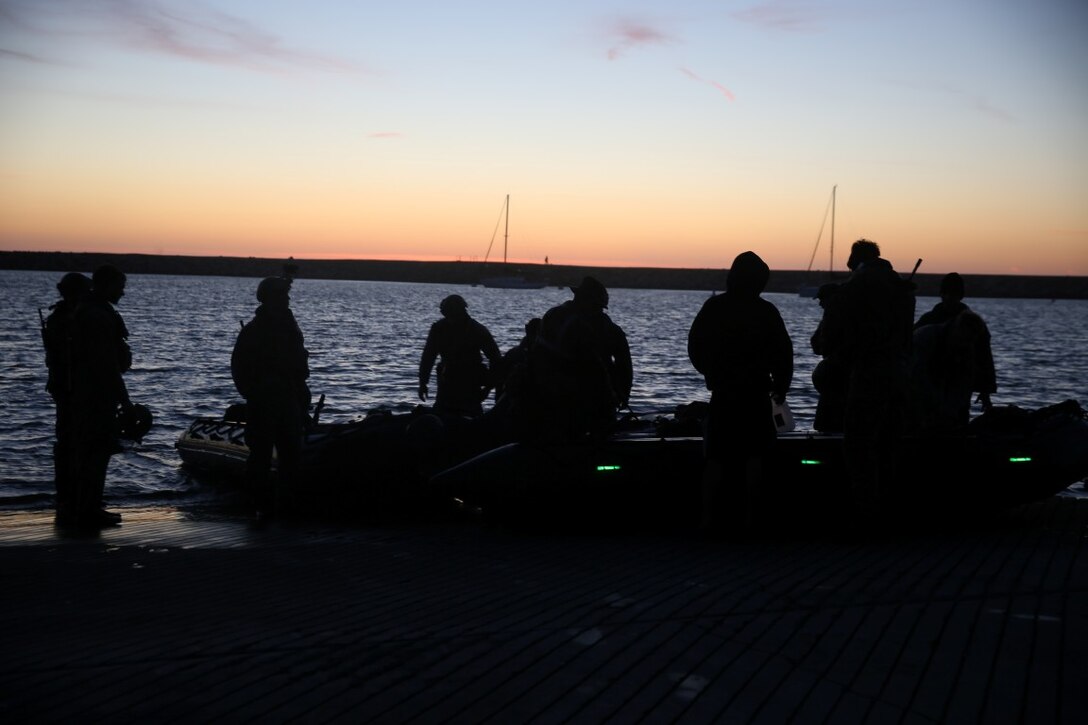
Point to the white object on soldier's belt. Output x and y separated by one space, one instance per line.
783 416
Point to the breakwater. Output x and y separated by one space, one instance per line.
457 272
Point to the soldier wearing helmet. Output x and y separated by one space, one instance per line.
57 334
581 362
459 344
270 366
100 356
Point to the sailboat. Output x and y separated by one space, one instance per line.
508 281
813 290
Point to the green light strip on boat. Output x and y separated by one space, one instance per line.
1020 459
810 462
607 468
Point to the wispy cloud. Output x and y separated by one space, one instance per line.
626 34
983 106
185 30
798 16
967 99
713 84
7 54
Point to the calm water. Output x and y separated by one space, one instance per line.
365 339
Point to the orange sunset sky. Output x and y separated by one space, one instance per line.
637 133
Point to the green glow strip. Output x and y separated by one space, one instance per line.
608 468
810 462
1020 459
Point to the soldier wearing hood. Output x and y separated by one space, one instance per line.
739 343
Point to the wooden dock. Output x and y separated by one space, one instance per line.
167 619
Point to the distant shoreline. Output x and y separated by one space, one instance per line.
978 285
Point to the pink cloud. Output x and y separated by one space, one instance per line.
729 96
627 34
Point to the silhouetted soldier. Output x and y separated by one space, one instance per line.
951 292
828 378
867 334
270 366
100 356
516 402
459 343
739 343
581 366
951 360
57 331
515 361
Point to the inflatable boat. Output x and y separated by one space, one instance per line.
1007 457
380 460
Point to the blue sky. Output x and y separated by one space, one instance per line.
661 134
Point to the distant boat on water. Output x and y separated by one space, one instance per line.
810 290
508 281
512 282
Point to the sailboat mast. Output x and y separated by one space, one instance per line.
506 232
831 260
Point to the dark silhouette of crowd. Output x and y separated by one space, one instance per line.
565 382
